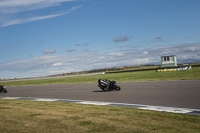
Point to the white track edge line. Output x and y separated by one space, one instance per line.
139 106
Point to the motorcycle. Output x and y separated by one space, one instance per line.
3 89
107 85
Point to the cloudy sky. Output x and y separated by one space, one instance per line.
45 37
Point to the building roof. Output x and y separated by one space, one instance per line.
168 55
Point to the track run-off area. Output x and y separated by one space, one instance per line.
178 96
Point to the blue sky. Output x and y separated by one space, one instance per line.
45 37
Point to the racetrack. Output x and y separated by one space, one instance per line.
182 93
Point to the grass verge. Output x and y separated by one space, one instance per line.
119 77
34 116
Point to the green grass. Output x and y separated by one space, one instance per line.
21 116
119 77
31 116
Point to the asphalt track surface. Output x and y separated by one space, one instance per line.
179 93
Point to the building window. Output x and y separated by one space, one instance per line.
166 59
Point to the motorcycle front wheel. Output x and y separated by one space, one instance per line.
5 91
117 88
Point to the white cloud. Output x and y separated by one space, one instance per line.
52 64
49 51
57 64
101 57
145 53
36 18
11 3
12 22
70 50
32 4
121 39
192 48
10 10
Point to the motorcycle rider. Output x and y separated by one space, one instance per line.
2 89
106 83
